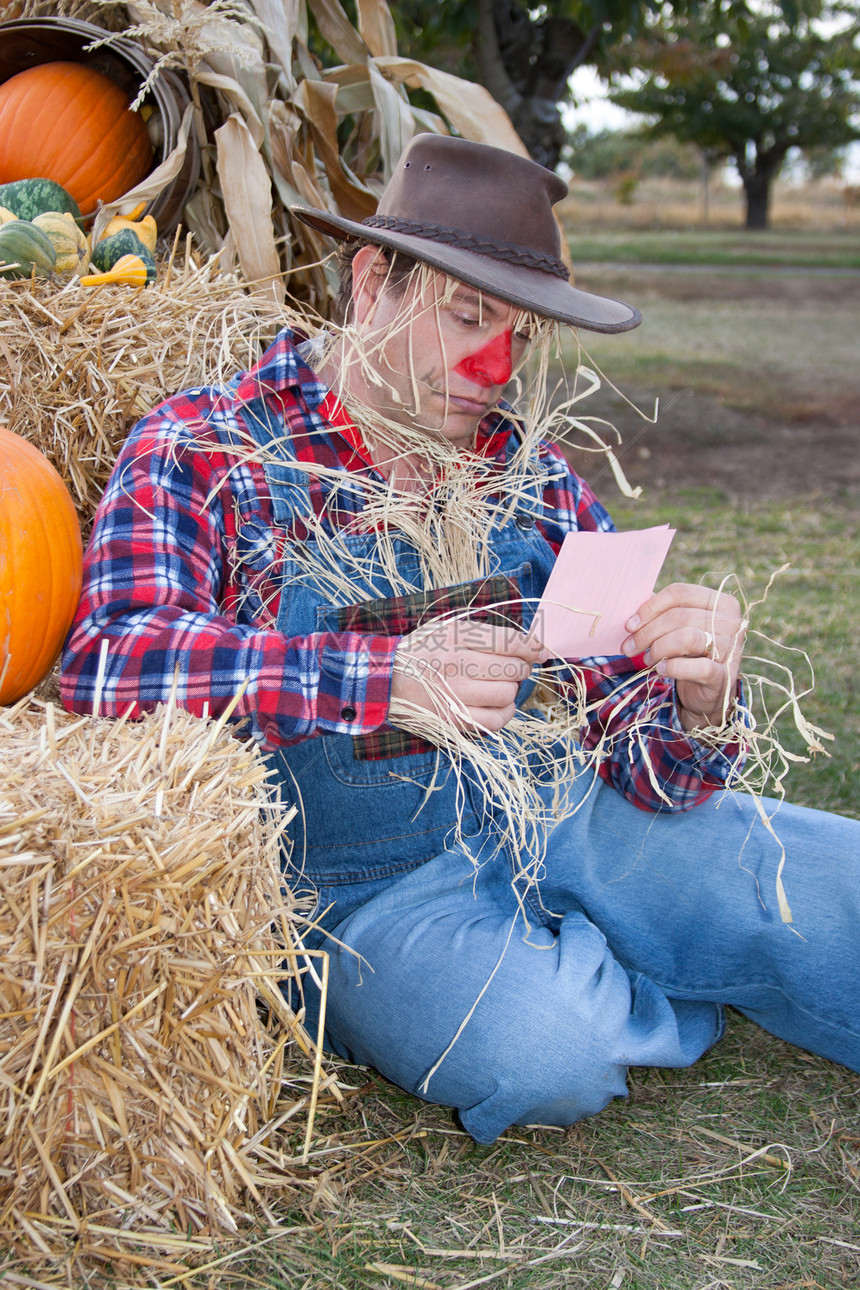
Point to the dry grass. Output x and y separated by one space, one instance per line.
827 206
741 1172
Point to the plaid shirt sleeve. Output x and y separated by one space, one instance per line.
646 752
158 606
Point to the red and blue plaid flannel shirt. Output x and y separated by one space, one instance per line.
162 586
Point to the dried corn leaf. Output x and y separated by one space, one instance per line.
316 101
245 79
354 91
470 108
308 188
154 184
396 118
376 27
206 221
238 100
283 126
281 23
336 28
247 190
239 42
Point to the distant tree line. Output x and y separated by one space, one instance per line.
608 154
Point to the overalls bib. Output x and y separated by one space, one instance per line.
364 821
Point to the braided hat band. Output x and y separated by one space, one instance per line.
509 252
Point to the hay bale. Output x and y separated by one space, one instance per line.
139 881
82 364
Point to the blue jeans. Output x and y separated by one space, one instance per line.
515 1009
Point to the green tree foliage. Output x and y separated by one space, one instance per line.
607 154
523 53
824 162
751 87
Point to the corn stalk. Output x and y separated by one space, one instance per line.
281 123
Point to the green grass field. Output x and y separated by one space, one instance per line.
754 458
740 1172
784 248
808 622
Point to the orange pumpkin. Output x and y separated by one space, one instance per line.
70 123
41 560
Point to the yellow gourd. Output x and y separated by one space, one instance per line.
67 240
146 229
129 270
6 215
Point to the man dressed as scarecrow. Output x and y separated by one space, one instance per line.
529 872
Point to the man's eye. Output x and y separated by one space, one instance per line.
468 320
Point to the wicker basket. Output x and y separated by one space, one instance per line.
27 42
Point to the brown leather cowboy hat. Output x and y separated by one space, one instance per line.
484 216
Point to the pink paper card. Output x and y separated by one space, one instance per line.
597 582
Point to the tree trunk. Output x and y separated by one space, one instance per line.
490 65
526 64
757 176
757 192
706 186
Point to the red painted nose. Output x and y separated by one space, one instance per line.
491 364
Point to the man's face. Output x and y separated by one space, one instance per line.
442 350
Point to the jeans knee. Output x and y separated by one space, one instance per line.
564 1060
553 1082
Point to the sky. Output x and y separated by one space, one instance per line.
593 109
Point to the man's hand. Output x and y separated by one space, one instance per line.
695 636
467 670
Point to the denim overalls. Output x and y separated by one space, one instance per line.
647 924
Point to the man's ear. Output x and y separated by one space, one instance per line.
369 270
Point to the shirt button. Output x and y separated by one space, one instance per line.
525 522
348 713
